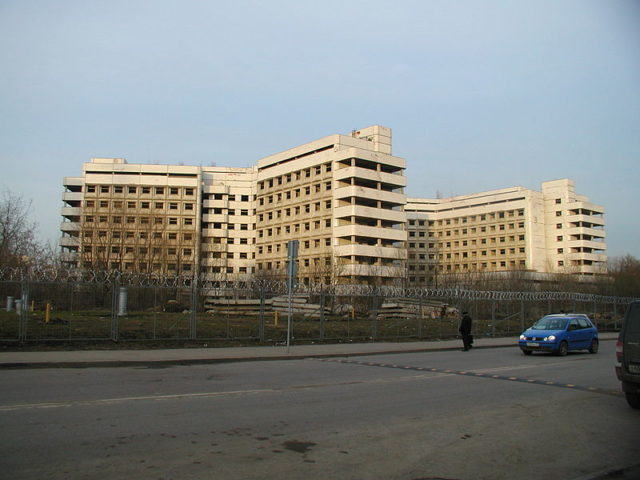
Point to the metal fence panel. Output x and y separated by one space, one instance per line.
98 306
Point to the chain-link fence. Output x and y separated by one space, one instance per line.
54 306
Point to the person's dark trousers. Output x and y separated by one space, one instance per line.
466 341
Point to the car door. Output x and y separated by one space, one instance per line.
588 332
631 339
574 334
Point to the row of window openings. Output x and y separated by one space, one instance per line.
143 266
186 252
465 266
295 228
294 176
580 211
136 189
448 256
277 248
287 212
468 219
229 226
465 243
116 234
229 255
141 220
296 193
228 197
226 270
304 262
228 211
581 225
143 205
464 231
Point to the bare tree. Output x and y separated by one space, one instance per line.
18 244
625 275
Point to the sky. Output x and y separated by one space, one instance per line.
480 95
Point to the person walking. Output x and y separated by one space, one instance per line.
465 331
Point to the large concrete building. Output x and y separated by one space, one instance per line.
552 231
342 197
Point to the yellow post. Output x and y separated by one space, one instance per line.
353 313
47 313
276 314
33 305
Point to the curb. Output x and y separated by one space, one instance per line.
209 361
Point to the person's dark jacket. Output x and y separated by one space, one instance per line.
465 325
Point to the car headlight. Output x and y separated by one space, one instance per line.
522 337
550 338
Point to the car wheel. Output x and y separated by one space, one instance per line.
633 399
563 349
594 346
526 352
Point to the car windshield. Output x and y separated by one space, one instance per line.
550 323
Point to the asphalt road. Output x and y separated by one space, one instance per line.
483 414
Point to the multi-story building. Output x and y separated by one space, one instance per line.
510 229
228 222
342 197
128 217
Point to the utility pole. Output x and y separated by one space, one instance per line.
292 270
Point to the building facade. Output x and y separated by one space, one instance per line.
514 229
342 197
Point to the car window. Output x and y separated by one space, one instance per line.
550 323
574 325
632 326
584 323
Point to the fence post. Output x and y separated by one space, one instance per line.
114 308
193 320
24 315
261 320
155 311
374 317
420 318
521 315
322 300
493 318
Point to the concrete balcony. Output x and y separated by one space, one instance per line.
369 271
373 175
69 242
68 257
215 218
70 226
370 193
215 203
215 232
370 232
73 181
213 247
593 257
594 232
590 269
587 244
369 212
72 196
370 251
595 219
71 211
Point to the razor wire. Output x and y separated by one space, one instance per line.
220 286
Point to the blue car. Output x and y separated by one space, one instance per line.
559 334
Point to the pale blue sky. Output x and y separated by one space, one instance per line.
479 94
